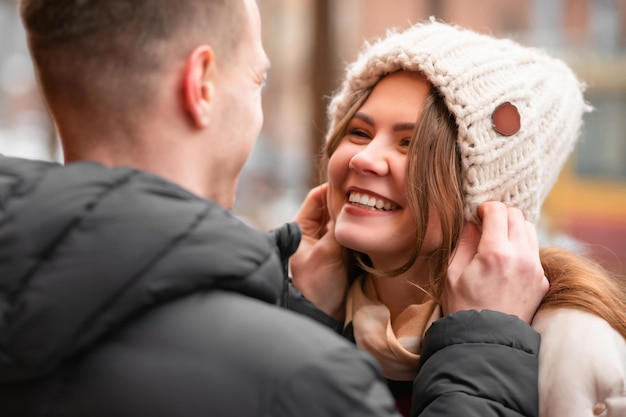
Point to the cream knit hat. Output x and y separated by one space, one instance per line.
482 78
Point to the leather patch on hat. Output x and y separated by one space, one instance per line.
506 119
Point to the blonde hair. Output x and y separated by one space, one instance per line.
434 183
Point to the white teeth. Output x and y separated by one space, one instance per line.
369 201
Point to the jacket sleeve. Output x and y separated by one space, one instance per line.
286 240
298 303
478 364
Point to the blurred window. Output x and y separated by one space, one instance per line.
602 151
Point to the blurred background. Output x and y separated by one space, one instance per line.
309 43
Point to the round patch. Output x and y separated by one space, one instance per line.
506 119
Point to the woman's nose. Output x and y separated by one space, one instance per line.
372 159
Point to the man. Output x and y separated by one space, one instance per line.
127 289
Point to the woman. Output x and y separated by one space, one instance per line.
429 123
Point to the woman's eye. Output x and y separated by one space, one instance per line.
405 141
358 133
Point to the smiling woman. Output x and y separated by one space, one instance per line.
429 123
371 162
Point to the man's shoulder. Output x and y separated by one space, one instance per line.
231 353
223 332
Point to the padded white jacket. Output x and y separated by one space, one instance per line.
582 365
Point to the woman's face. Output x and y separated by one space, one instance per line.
367 196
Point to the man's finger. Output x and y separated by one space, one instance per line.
495 226
466 249
518 233
532 238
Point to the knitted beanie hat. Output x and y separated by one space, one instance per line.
518 110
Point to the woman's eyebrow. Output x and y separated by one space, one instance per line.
365 118
398 127
401 127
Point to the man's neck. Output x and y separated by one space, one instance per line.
171 162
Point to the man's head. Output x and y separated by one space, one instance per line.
83 48
144 82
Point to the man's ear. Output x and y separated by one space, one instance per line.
198 85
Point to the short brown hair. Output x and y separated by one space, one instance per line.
88 51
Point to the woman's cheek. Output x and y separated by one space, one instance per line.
336 174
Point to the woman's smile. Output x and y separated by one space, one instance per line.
371 201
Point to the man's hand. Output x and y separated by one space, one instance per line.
318 267
499 269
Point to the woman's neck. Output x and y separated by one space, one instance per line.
397 293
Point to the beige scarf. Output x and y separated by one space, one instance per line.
394 343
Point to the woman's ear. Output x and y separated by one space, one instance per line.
198 85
